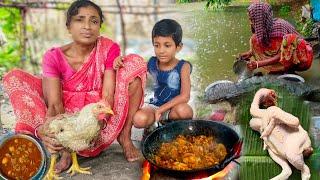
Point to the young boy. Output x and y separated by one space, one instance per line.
172 78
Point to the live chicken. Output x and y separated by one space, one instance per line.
76 132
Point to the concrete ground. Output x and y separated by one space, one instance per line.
109 165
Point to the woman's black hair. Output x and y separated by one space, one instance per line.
76 5
168 27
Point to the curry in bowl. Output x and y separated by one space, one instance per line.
190 153
20 158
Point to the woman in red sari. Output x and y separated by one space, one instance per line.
275 44
77 74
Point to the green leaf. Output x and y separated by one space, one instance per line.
10 24
263 167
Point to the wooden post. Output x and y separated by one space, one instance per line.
123 29
155 12
23 36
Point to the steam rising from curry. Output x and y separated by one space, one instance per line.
20 158
190 153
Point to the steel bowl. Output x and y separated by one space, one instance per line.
44 158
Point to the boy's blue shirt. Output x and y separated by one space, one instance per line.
316 9
167 84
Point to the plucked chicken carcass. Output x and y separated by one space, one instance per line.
284 138
76 132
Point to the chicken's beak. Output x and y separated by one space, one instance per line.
108 111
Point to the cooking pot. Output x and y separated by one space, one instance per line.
221 132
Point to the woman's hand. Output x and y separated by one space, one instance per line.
118 63
49 139
245 56
252 65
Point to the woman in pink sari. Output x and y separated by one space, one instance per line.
275 44
77 74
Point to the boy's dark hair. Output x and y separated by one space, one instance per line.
168 27
76 5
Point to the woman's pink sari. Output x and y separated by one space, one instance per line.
296 54
84 87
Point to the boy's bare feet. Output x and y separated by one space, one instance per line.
64 162
131 153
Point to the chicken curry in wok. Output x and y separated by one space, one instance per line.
190 153
20 158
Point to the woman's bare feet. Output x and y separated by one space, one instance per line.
64 162
131 153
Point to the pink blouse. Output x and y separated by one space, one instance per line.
55 64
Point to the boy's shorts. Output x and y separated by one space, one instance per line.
164 117
163 120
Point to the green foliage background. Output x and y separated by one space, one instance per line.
215 4
10 20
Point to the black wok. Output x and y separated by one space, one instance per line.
167 133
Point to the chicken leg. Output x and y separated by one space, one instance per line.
75 166
51 174
286 170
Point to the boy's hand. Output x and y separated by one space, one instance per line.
118 63
157 115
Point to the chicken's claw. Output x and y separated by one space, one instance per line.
75 168
51 174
